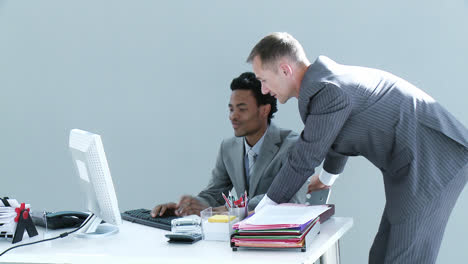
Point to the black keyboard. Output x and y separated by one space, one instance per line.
143 216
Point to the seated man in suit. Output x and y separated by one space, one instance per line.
250 160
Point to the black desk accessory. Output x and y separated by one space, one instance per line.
184 238
58 220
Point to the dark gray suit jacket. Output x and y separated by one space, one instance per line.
349 111
229 169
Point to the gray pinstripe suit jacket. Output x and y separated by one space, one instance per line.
349 111
229 169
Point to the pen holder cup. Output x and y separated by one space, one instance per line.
240 213
218 225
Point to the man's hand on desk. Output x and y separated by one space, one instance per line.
167 209
316 185
189 205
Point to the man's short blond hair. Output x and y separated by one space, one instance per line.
275 46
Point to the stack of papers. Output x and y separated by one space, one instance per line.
282 226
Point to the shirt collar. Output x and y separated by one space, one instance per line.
257 146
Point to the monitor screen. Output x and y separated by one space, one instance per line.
96 183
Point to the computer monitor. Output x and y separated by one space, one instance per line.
96 183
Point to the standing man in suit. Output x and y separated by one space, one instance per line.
250 160
421 149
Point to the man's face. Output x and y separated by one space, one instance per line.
272 82
245 114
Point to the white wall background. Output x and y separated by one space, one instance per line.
152 77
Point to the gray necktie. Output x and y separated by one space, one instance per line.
252 156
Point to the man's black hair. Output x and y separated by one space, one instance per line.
248 81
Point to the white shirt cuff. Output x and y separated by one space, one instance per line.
327 178
265 201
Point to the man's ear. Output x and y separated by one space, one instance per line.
285 69
265 110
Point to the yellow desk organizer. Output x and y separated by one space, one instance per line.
218 226
221 218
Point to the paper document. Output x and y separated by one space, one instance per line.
286 215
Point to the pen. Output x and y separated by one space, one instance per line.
234 199
226 199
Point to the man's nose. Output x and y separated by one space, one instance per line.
233 116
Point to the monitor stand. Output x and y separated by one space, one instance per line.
94 228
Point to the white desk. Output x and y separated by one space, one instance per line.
141 244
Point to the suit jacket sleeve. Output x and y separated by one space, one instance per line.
253 202
219 183
334 162
327 111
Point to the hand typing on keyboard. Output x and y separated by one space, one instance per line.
142 216
190 205
167 209
187 205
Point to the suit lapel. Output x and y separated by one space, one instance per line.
267 153
237 156
310 85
